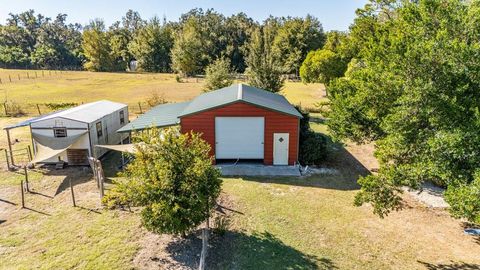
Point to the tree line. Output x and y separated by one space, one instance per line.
187 46
405 76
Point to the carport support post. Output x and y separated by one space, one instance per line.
10 146
73 194
100 178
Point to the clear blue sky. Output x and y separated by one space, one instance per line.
334 14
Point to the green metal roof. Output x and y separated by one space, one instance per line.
160 116
240 92
170 114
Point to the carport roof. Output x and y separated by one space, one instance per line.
160 116
240 92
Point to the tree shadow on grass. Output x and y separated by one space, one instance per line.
451 266
237 250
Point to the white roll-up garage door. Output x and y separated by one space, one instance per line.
239 137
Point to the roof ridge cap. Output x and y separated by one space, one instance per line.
240 92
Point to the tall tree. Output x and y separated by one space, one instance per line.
151 46
264 70
416 95
239 30
96 47
201 39
322 66
295 38
187 56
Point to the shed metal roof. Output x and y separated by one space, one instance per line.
86 113
160 116
240 92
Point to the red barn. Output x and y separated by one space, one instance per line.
240 122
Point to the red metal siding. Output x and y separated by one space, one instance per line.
275 122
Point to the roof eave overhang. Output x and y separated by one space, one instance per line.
239 101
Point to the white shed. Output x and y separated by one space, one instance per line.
70 135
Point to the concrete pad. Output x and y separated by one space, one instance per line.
257 170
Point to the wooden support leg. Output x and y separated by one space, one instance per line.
23 194
73 194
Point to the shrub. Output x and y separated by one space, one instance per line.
178 78
217 75
313 146
172 177
13 109
60 106
313 149
155 99
464 200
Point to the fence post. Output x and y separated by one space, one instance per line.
36 75
10 146
0 81
71 190
43 75
5 107
140 107
23 195
18 77
38 109
10 78
6 158
27 188
28 76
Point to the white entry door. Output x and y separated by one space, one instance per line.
280 148
239 137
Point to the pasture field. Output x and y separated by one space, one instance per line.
275 223
130 88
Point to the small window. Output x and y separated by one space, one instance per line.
99 129
122 117
60 132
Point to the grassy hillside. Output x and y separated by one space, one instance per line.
130 88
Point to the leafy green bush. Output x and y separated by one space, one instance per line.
60 106
313 149
155 99
218 75
464 200
172 177
313 146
